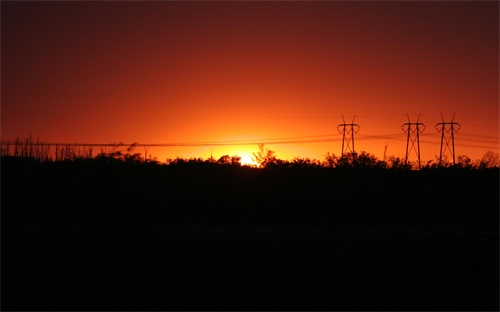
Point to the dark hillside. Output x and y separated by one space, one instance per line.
110 235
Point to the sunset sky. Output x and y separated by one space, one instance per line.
229 73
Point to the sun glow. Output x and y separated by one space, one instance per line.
247 160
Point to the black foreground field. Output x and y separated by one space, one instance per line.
117 236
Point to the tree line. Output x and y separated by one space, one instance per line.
264 158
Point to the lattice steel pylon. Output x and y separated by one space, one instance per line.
447 127
413 129
349 129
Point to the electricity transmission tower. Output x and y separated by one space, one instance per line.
348 131
413 129
448 128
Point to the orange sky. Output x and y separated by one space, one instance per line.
183 72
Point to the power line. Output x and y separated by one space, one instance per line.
190 144
280 140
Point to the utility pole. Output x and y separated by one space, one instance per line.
449 128
413 129
350 130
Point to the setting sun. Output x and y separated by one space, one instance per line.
247 160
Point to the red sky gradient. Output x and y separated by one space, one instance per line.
256 71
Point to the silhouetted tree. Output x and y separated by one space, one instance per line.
229 160
236 160
394 162
224 160
346 160
464 162
176 161
264 157
490 160
330 161
305 163
367 160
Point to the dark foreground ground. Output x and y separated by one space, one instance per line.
79 236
